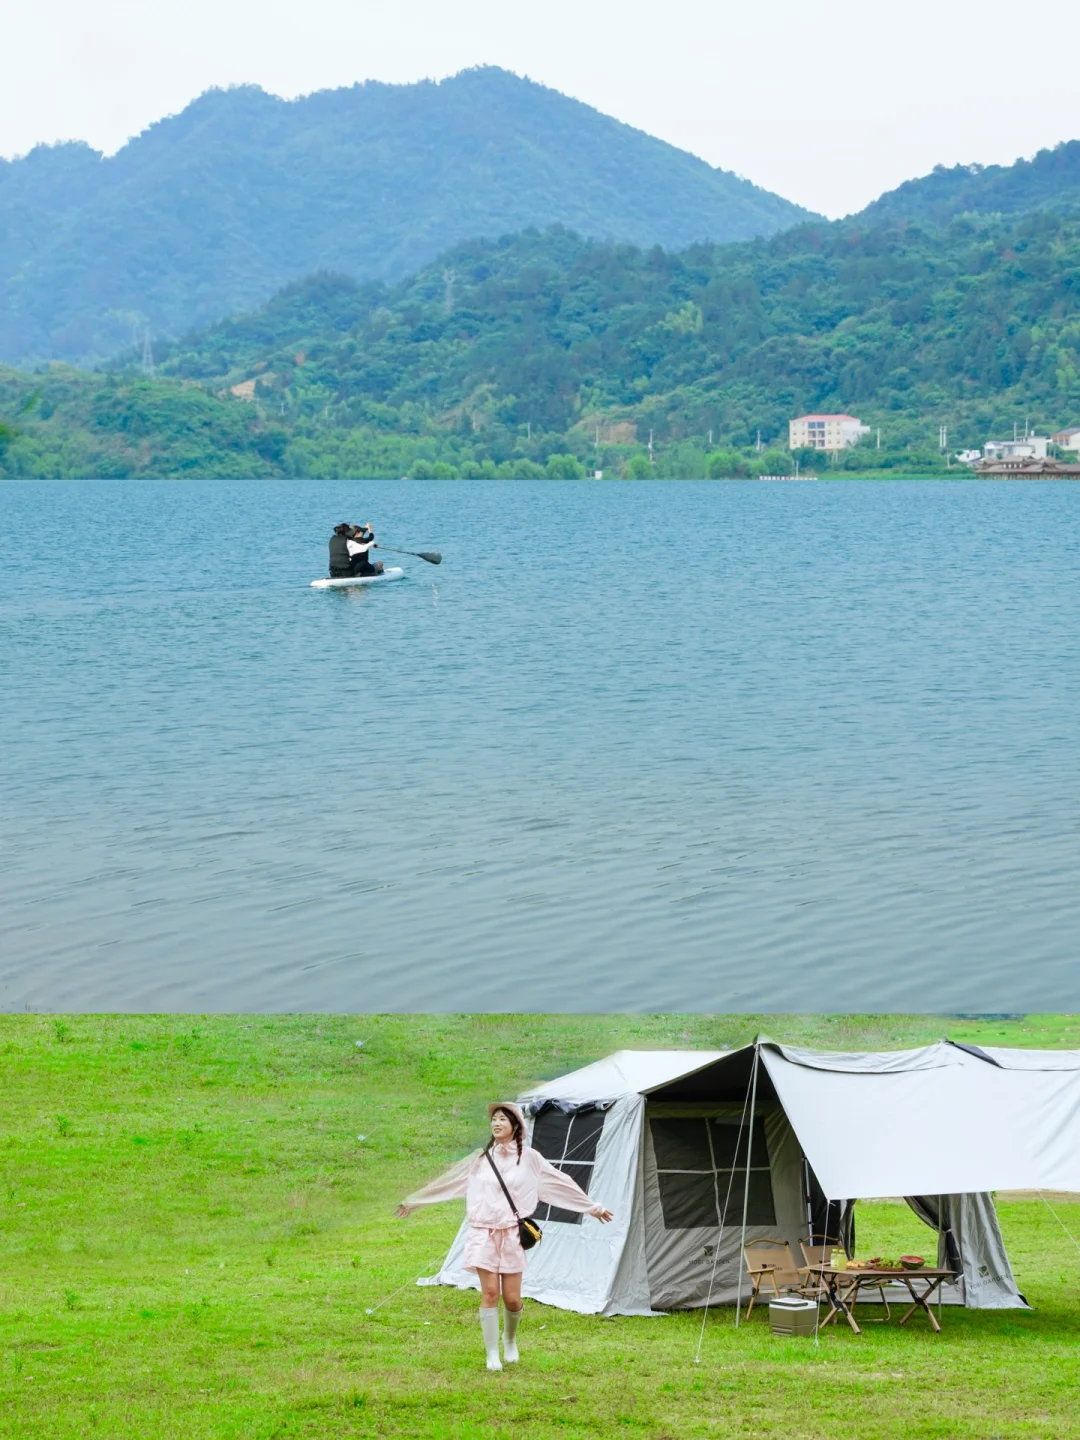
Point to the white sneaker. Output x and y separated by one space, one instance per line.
494 1363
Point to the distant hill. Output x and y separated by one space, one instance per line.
540 328
210 211
551 350
1052 178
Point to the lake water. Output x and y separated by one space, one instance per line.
717 746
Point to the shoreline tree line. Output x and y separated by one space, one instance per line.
545 354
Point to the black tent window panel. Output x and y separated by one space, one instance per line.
569 1142
701 1168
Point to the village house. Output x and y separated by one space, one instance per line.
1024 458
1068 439
825 432
1027 447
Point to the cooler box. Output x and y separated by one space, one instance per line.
793 1317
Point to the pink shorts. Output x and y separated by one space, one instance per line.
496 1250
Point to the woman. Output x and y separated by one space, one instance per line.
493 1248
340 557
361 543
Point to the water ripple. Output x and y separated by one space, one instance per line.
671 746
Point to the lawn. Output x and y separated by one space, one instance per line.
196 1220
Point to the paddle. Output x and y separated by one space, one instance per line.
431 556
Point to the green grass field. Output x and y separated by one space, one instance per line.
192 1232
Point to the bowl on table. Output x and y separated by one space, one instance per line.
912 1262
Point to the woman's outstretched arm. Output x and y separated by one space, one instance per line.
556 1187
451 1186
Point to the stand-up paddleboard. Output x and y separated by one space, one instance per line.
392 572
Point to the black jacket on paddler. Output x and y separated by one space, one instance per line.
339 554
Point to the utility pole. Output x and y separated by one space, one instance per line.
879 437
651 460
710 437
759 441
528 426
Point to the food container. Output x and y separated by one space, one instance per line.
793 1316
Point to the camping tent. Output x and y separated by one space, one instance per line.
699 1151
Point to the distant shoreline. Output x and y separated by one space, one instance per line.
878 478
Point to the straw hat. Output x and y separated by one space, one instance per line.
511 1109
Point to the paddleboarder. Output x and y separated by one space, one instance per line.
351 563
360 543
340 559
502 1185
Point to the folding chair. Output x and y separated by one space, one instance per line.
817 1251
771 1267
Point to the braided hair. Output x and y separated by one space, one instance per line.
516 1127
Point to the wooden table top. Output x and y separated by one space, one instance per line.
929 1271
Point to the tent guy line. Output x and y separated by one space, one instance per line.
415 1280
723 1221
1059 1220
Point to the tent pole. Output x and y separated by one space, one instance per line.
940 1223
746 1186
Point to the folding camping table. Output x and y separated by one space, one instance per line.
842 1289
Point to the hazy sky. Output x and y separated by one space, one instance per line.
828 102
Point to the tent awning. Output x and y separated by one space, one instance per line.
944 1119
971 1123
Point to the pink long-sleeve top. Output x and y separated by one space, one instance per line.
531 1183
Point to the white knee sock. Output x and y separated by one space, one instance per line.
489 1326
510 1325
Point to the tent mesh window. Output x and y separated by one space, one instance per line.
700 1163
569 1142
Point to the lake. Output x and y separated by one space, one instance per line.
657 746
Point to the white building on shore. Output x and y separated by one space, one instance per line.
825 432
1068 439
1027 447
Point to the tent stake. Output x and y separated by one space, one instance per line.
746 1186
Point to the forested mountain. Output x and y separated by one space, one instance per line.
1052 178
508 353
211 211
548 329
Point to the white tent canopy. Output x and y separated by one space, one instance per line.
663 1139
945 1120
